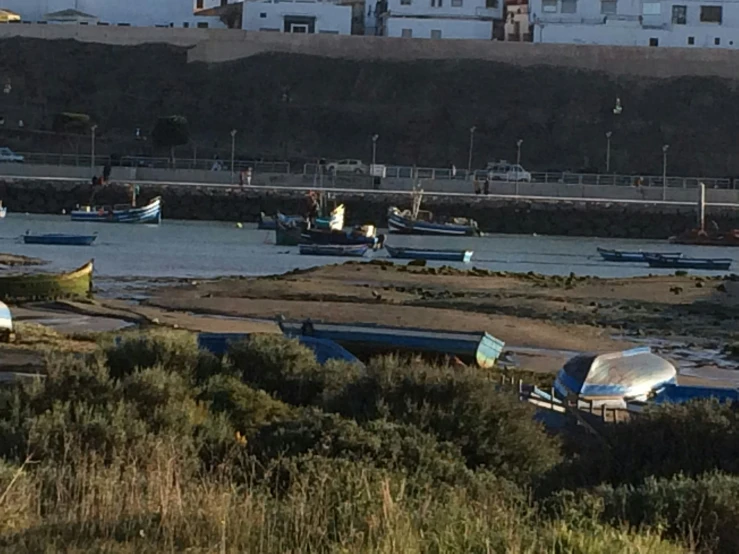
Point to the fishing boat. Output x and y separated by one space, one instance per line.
479 348
624 256
430 254
58 239
121 213
365 234
269 223
709 264
421 222
701 237
47 286
350 250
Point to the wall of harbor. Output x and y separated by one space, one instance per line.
494 215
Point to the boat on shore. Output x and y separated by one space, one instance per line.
47 286
346 250
121 213
270 223
709 264
429 254
699 237
479 348
624 256
59 239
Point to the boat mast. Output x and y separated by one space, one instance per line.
417 195
702 206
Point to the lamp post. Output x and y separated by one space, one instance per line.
374 149
608 151
92 148
665 148
472 144
519 142
233 149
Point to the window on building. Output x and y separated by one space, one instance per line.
653 42
186 24
491 4
199 5
549 6
436 33
711 14
263 15
717 41
124 24
679 15
456 3
405 2
651 8
569 6
406 33
608 7
224 3
202 25
691 41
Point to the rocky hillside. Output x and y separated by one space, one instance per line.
303 107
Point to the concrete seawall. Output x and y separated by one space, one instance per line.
494 215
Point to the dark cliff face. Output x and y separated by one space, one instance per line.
305 107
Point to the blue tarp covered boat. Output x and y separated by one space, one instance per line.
351 250
58 239
270 223
121 213
324 350
624 256
708 264
429 254
479 348
404 223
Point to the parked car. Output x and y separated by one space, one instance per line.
504 171
8 156
348 166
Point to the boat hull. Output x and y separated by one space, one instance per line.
151 213
622 256
431 255
708 264
60 240
355 251
406 226
287 236
317 236
47 286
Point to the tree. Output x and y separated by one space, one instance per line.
170 131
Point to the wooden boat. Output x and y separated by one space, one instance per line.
351 250
47 286
121 213
324 349
478 348
269 223
430 254
710 264
58 239
623 256
704 238
422 224
359 235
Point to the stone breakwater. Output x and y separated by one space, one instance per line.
493 215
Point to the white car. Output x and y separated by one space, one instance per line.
504 171
348 166
8 156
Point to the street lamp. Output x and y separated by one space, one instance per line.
472 143
519 142
233 149
608 151
665 148
92 148
374 149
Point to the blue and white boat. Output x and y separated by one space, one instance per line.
708 264
121 213
430 254
270 223
351 250
403 222
58 239
624 256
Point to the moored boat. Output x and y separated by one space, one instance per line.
121 213
701 237
624 256
709 264
269 223
423 224
359 235
478 348
350 250
47 286
430 254
58 239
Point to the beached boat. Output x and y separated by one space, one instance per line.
624 256
709 264
704 238
351 250
58 239
47 286
269 223
478 348
430 254
422 224
121 213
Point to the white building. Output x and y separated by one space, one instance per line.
297 16
684 23
133 13
439 19
517 21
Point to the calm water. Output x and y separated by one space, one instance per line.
210 249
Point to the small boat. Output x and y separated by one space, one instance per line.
479 348
47 286
351 250
269 223
58 239
121 213
430 254
422 224
359 235
710 264
623 256
700 237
